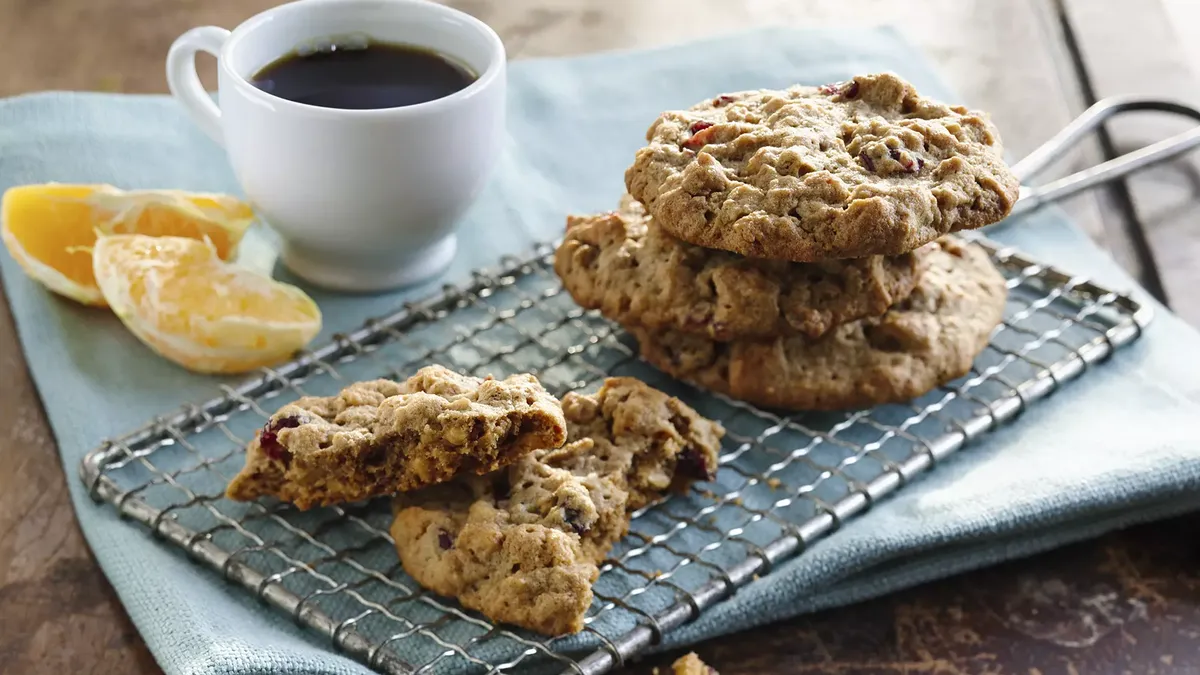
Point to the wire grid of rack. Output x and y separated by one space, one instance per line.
785 480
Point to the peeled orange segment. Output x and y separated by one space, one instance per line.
205 314
50 228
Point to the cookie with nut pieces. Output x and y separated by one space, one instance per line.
523 545
636 274
927 340
863 167
380 437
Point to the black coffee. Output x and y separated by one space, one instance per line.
363 76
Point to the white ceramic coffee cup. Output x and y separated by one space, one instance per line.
364 200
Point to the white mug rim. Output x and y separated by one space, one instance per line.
494 70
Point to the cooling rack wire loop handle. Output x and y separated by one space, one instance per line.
1032 196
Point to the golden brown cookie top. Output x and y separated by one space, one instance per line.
436 403
863 167
380 437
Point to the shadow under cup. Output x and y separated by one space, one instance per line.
364 200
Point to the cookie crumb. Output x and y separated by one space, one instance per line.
690 664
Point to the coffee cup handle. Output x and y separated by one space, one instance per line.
184 82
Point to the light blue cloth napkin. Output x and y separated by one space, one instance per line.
1116 447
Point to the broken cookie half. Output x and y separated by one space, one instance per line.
523 544
382 437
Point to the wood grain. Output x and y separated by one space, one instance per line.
1129 603
1125 603
57 612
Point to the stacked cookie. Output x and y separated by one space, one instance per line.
792 248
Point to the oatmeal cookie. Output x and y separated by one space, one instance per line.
927 340
523 544
381 437
625 265
864 167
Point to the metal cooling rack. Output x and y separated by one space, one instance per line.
785 480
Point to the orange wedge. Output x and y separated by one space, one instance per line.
207 315
50 228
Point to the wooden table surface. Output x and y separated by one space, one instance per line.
1126 603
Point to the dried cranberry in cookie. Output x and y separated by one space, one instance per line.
845 170
269 438
845 90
